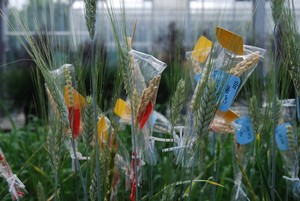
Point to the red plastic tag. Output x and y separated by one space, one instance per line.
74 119
145 115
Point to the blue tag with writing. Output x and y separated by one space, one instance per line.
244 134
281 137
232 85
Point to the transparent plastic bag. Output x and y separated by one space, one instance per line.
238 193
145 69
240 66
104 128
196 67
146 73
286 139
288 110
62 74
219 125
160 123
197 59
64 78
184 139
243 149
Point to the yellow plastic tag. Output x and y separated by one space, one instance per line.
229 115
122 109
202 49
79 100
102 130
230 40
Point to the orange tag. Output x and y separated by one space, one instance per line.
230 40
229 115
102 130
79 100
202 49
122 109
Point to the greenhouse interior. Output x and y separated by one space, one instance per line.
146 100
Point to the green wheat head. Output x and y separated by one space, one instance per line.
40 192
93 187
177 101
90 16
207 108
277 7
291 141
88 134
127 71
278 111
204 116
291 41
254 113
55 144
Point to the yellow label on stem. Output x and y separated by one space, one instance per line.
79 100
122 109
202 49
229 116
102 130
230 41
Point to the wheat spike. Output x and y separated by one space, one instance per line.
277 7
204 116
57 102
90 16
40 192
246 64
51 101
197 92
207 108
93 188
88 122
254 113
177 101
148 95
291 139
295 76
68 77
278 111
55 146
127 72
135 101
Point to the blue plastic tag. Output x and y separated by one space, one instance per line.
281 137
232 85
244 134
198 77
